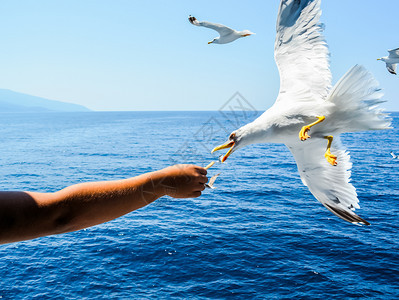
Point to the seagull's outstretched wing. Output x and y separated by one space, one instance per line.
391 68
329 184
221 29
394 53
301 52
393 155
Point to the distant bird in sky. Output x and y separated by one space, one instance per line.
391 60
394 156
307 101
227 35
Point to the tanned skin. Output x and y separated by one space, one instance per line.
28 215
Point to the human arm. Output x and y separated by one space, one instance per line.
27 215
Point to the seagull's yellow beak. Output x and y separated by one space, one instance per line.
244 35
378 58
229 144
210 42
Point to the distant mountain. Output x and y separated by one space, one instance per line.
11 101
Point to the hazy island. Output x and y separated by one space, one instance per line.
11 101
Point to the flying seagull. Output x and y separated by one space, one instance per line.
391 60
307 101
227 35
394 156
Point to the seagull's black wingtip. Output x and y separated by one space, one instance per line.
192 19
345 215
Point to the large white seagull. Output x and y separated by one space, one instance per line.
308 104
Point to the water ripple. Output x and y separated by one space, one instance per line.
259 235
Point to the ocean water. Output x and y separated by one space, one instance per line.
260 234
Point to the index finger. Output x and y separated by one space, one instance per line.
202 171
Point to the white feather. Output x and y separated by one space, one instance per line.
329 184
301 52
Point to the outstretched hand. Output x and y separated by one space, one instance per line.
183 181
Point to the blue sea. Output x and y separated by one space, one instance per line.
259 235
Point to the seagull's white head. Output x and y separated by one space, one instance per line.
214 41
261 130
231 143
382 58
238 138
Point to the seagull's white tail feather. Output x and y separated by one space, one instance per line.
356 97
246 31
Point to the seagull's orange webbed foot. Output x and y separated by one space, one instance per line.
303 134
331 158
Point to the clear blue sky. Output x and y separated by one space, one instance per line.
145 55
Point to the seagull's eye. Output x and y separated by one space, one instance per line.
232 136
